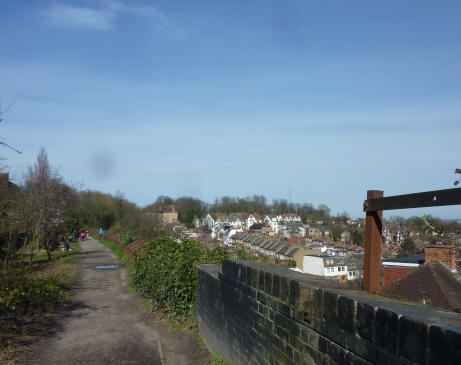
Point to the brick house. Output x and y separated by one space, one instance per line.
395 268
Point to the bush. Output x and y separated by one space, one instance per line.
126 238
20 292
167 273
218 360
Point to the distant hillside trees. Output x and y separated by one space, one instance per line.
188 207
408 248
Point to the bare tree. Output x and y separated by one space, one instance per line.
46 197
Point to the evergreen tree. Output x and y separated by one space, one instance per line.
408 248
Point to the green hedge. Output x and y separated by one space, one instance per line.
167 273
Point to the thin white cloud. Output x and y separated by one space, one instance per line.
103 17
63 15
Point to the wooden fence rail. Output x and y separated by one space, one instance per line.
374 206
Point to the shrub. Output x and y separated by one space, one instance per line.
20 292
167 273
126 238
218 360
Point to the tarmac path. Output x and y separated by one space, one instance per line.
103 323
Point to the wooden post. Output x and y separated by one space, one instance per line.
373 241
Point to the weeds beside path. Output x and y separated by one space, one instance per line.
28 297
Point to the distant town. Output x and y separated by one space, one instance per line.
302 237
317 243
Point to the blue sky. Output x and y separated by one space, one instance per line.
213 98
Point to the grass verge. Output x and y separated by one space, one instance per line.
28 298
120 254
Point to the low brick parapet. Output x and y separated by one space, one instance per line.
254 313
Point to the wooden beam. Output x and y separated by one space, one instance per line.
434 198
373 241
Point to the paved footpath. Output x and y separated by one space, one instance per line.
103 323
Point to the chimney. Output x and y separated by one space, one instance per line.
445 253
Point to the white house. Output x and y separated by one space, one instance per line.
232 232
208 221
274 225
301 231
328 266
251 220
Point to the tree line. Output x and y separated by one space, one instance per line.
188 207
44 210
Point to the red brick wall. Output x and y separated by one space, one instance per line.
392 273
446 254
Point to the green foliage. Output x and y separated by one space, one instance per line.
430 226
188 208
218 360
167 273
408 248
127 238
63 256
291 263
120 254
241 253
18 292
357 237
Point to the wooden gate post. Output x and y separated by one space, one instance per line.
373 241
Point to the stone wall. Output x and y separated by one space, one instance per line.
254 313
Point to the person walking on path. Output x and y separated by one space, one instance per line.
101 232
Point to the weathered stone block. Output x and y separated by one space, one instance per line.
386 333
252 276
268 282
300 316
284 288
444 345
365 320
330 301
261 279
276 285
383 357
229 269
363 348
338 353
282 333
294 291
287 324
412 339
242 272
284 309
346 314
318 303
